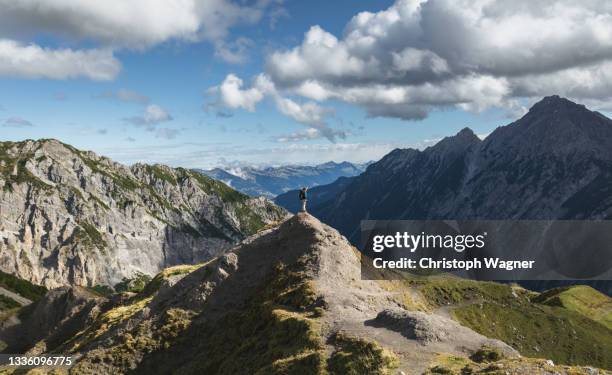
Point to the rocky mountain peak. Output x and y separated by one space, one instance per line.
555 125
552 103
458 143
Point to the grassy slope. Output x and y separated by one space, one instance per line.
535 327
581 299
452 364
276 332
21 287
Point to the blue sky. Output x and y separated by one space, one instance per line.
314 76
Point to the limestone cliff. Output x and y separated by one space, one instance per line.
70 217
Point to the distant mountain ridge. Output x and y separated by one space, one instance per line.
318 195
71 217
272 181
553 163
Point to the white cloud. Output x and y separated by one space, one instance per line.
32 61
232 95
155 114
418 56
152 115
112 25
133 24
308 113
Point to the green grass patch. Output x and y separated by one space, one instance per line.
153 286
13 170
22 287
211 186
458 365
582 299
101 290
7 303
99 202
356 356
567 325
450 291
160 173
250 222
276 332
134 284
541 331
96 238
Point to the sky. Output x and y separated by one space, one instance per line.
206 83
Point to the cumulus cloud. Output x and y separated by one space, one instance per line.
132 24
17 122
32 61
115 25
417 56
232 94
153 114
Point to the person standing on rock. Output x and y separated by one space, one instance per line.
303 198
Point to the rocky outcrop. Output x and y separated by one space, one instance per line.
71 217
432 328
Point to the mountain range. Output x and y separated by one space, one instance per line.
272 181
71 217
235 285
553 163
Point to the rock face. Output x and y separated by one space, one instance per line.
70 217
273 181
553 163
